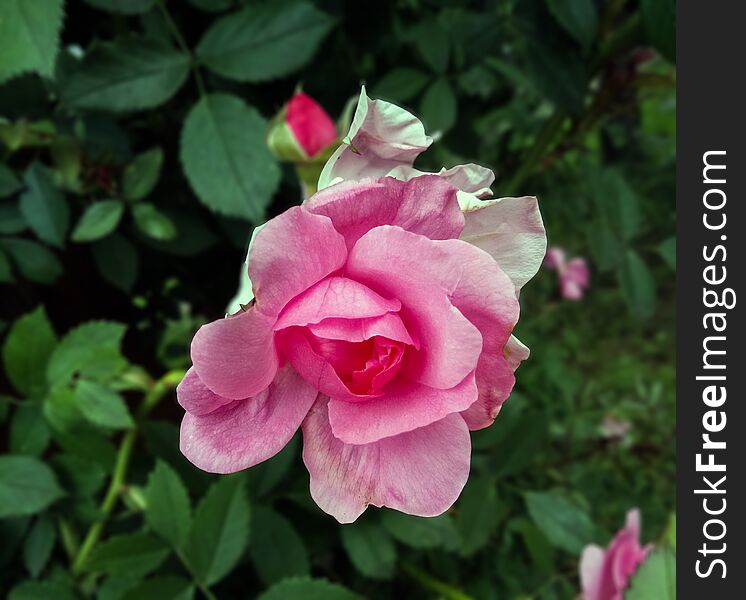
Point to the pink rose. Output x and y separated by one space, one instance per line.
302 130
605 575
377 327
574 275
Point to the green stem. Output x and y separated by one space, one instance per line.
121 466
429 582
181 43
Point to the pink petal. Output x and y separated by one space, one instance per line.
312 127
577 270
421 472
511 231
426 205
404 406
195 397
382 136
388 325
335 297
235 357
421 273
591 571
248 431
555 258
291 253
470 178
570 290
515 352
486 297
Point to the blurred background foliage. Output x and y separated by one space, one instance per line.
134 167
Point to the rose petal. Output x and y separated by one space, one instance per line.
235 357
427 205
335 297
195 397
312 127
486 297
511 231
291 253
404 406
422 274
591 567
381 137
248 431
421 472
389 326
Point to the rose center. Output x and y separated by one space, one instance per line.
364 367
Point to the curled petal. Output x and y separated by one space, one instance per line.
335 297
421 472
382 136
235 357
389 326
291 253
248 431
511 231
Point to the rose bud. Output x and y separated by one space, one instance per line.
301 131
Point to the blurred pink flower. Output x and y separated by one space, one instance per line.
605 574
377 327
574 275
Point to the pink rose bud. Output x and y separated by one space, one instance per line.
574 275
605 574
302 130
381 326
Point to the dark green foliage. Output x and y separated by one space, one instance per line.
133 168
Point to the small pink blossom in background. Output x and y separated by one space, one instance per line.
605 574
574 275
310 124
381 325
613 428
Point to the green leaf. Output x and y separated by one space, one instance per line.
265 41
102 406
39 544
433 45
29 36
212 5
142 174
537 544
98 220
618 203
90 350
638 285
370 549
35 262
9 183
606 249
220 531
168 510
26 351
117 261
226 159
667 250
42 590
304 588
479 514
163 587
565 524
6 271
152 222
421 532
11 219
29 433
401 84
44 206
578 17
27 486
439 106
127 74
659 21
655 577
276 549
134 554
124 7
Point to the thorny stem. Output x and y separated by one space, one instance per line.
159 389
